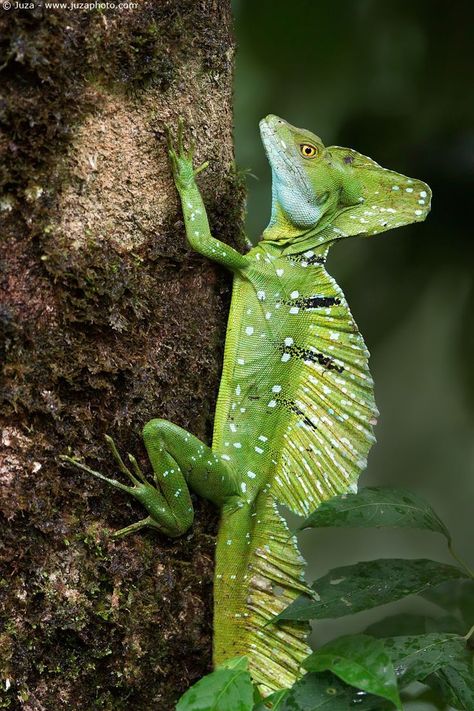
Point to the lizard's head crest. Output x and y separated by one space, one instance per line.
321 194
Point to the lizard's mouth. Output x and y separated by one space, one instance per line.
281 152
290 184
270 127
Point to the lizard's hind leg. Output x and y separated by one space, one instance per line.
179 461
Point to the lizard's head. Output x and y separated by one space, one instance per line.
332 192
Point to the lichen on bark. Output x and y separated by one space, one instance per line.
107 320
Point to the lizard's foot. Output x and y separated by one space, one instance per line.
160 516
182 159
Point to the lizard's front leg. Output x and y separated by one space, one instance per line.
196 223
179 461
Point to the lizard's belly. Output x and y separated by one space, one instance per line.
246 421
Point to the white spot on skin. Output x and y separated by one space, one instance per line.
280 272
289 341
395 187
294 294
272 403
418 212
238 390
259 450
261 295
249 330
423 193
408 190
196 233
229 541
251 475
262 438
285 357
294 310
237 445
226 457
243 486
233 428
240 361
268 315
276 388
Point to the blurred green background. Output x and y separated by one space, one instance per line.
393 81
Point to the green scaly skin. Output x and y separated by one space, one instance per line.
296 410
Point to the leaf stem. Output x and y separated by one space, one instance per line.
466 636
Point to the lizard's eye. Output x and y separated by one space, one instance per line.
307 150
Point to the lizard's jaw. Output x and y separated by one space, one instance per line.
273 131
291 188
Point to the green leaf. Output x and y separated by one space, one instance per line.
360 661
395 625
417 656
455 681
376 506
456 596
445 623
223 690
235 663
272 702
325 692
364 585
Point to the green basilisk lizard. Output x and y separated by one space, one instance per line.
296 410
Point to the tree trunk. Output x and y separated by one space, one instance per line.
107 321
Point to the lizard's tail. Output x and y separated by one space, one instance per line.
271 576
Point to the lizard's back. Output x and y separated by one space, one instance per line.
294 418
296 401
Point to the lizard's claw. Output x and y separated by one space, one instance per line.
147 494
180 136
181 159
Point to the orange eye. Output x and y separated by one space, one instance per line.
307 150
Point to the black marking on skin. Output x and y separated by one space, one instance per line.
315 259
305 419
308 354
348 159
314 302
294 408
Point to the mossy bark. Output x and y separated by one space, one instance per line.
107 320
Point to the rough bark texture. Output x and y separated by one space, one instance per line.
107 321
